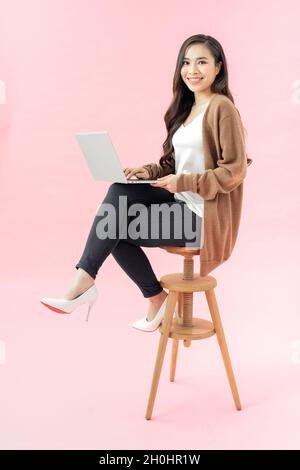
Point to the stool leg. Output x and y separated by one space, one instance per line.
166 326
180 304
174 359
175 342
187 314
214 311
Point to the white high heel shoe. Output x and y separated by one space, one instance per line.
67 306
146 325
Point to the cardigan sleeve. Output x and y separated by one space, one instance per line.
231 165
157 171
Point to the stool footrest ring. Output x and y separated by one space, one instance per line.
201 329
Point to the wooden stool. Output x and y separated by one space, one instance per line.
181 287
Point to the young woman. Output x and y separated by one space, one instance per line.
199 175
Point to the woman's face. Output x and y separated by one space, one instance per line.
199 62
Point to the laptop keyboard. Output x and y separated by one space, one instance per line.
140 181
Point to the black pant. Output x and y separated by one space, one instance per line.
125 247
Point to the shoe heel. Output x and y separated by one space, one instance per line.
89 309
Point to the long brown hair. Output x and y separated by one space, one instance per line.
183 98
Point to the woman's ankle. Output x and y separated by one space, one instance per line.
159 298
78 288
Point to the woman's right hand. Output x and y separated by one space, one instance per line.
138 171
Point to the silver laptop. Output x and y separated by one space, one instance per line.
102 158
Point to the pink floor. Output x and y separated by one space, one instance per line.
68 384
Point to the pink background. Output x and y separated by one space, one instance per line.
77 65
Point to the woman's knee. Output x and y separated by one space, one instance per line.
115 187
114 191
128 191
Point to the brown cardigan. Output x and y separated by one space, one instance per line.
221 184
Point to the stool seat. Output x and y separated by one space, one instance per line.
176 283
181 250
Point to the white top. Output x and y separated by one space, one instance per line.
189 158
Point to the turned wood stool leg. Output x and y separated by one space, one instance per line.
180 304
214 311
175 342
166 326
188 274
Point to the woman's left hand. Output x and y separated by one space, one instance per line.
168 182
